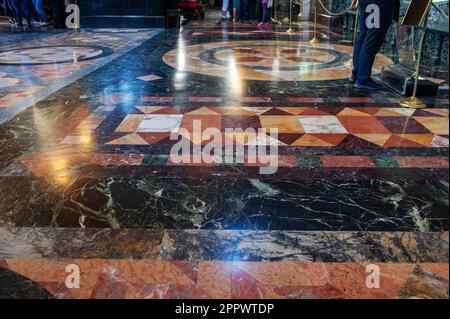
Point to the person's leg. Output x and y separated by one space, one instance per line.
269 15
252 10
10 11
225 5
360 39
373 42
17 7
27 7
259 10
244 10
39 10
263 18
266 11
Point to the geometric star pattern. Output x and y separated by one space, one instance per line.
296 126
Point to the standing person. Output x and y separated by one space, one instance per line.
225 8
40 11
244 11
252 11
22 8
266 16
235 10
59 9
370 40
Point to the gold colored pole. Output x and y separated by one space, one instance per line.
349 63
286 18
414 102
275 12
290 30
315 40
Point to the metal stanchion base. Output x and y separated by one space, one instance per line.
412 102
314 40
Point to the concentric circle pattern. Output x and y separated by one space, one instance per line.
51 55
267 60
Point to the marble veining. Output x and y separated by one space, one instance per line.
87 175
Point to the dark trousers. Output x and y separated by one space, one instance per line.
39 10
248 9
6 8
370 40
266 14
22 8
59 13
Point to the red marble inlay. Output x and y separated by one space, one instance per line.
57 161
110 285
397 141
422 162
194 160
243 286
275 161
363 125
255 99
249 59
217 279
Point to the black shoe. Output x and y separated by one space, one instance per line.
222 19
352 79
369 85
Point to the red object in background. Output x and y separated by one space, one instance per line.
192 8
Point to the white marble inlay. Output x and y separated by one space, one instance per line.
160 123
321 124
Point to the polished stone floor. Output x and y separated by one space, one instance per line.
87 176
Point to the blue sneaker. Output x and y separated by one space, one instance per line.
369 85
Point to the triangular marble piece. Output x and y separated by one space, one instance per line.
203 111
310 140
378 139
130 139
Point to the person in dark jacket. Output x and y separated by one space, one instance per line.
370 40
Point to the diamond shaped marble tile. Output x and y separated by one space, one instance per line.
160 123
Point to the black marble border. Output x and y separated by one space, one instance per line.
225 245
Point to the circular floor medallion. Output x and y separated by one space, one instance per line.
267 60
52 55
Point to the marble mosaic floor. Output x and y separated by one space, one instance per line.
35 65
87 176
